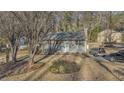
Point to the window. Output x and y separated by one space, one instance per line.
79 42
76 42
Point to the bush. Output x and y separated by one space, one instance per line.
62 67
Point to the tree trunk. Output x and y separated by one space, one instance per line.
7 53
30 62
31 56
31 59
14 53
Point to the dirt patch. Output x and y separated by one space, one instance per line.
36 74
89 70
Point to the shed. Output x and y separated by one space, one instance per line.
64 42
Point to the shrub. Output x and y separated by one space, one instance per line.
62 67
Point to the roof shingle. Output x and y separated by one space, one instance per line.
65 36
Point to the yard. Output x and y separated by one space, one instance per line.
21 53
89 70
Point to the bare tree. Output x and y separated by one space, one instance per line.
37 25
11 30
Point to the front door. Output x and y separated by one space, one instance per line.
66 47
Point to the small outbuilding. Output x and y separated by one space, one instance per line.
64 42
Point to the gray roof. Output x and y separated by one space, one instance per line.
65 36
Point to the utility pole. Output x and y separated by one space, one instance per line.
86 40
110 26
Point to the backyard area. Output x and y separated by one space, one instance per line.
89 69
61 46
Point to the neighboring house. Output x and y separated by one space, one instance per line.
64 42
22 43
2 47
115 36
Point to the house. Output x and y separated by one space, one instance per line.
115 36
22 43
64 42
